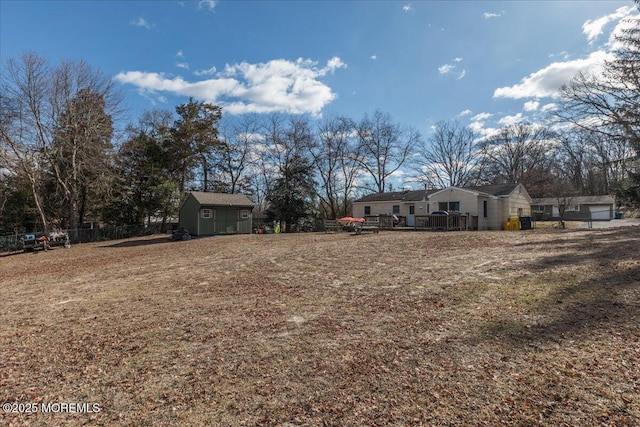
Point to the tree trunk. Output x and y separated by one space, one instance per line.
36 198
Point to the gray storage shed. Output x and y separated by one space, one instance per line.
206 214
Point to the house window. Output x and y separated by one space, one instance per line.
206 213
485 208
412 210
244 213
572 208
449 206
367 210
396 209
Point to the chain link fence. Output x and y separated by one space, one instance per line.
15 242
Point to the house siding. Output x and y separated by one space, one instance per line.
494 219
468 200
386 208
189 215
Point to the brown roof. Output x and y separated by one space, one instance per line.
401 196
495 189
222 199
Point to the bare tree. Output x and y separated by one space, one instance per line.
608 103
79 153
335 158
56 121
448 156
564 192
291 189
238 139
514 152
384 147
25 123
575 158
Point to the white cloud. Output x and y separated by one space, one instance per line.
489 15
594 28
208 72
207 4
374 57
464 113
531 105
141 22
481 117
277 85
477 125
407 7
183 65
547 81
446 68
333 64
483 133
511 120
549 107
179 54
564 55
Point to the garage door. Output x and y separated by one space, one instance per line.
600 212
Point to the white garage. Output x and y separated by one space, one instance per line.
600 212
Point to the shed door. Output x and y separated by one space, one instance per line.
600 212
226 221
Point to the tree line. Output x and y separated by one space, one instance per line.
63 161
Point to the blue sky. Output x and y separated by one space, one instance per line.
485 64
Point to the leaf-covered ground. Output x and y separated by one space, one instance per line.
530 328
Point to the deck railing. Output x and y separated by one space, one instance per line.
441 222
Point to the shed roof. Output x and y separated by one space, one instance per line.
574 200
222 199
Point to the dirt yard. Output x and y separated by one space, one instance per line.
529 328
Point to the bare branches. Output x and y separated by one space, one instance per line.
514 151
385 146
336 157
448 156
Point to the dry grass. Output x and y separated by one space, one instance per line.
532 328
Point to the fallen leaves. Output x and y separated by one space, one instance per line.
324 329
